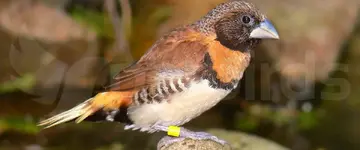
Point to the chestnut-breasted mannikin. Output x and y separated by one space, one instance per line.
186 72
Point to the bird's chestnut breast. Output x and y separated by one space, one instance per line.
228 64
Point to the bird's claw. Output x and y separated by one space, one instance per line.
206 136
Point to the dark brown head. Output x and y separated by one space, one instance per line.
238 25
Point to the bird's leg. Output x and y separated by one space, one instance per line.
177 134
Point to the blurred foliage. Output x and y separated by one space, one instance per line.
253 118
248 123
148 18
308 120
19 124
143 28
25 82
98 21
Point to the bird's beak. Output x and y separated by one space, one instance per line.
265 30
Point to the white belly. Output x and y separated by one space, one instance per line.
180 108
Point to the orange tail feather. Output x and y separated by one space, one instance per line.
105 101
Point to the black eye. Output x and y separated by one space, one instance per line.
246 19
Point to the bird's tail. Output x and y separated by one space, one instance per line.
103 101
80 112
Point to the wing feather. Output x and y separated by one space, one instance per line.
180 50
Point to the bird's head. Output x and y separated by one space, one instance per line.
237 25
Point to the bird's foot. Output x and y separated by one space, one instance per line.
187 134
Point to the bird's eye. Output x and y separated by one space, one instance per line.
247 20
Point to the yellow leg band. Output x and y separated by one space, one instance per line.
174 131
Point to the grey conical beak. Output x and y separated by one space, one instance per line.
265 30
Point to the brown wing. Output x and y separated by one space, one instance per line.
183 49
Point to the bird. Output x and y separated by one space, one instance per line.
186 72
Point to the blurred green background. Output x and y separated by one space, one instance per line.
300 91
